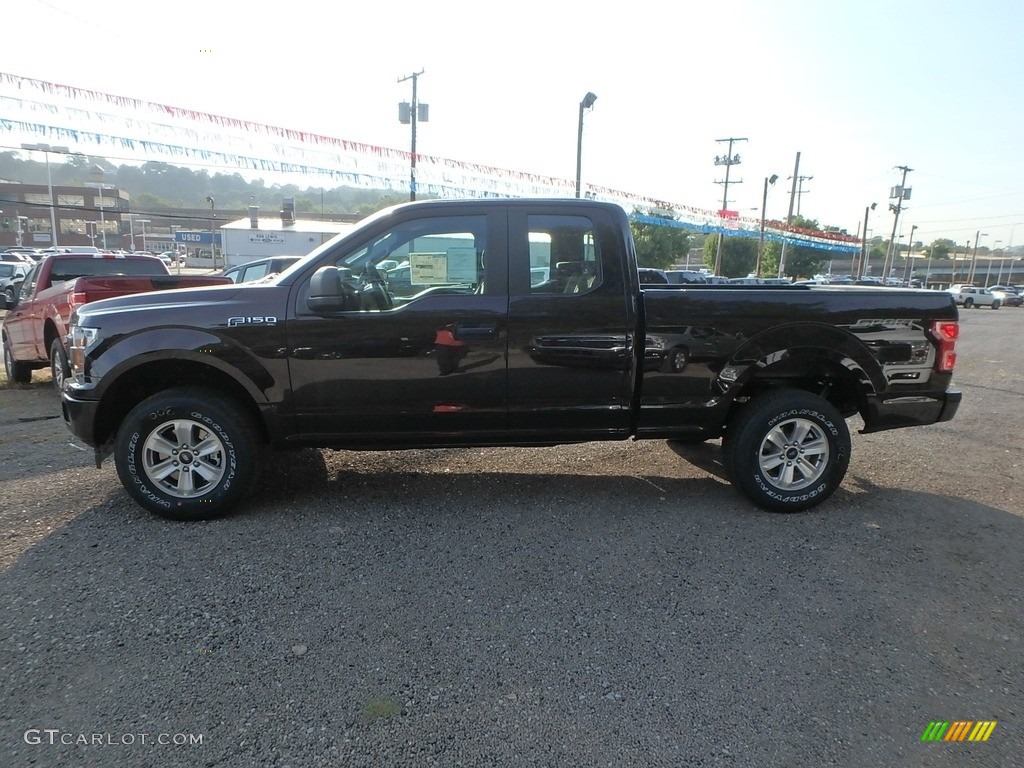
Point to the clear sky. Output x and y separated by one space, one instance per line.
857 88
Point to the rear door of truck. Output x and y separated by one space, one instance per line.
570 351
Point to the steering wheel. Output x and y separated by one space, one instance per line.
374 294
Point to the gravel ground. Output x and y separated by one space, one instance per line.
604 604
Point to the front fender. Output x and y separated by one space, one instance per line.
113 359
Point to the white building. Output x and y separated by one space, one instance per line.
255 238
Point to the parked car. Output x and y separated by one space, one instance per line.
259 269
34 330
12 274
685 276
649 276
18 257
1007 295
970 296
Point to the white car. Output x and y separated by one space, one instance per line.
969 296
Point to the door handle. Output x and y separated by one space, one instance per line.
476 331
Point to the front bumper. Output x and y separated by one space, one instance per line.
910 411
80 417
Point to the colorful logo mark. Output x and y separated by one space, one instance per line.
958 730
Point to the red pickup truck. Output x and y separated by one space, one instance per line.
35 328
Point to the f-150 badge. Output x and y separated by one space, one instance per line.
252 320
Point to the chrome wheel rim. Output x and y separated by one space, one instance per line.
184 458
56 371
794 454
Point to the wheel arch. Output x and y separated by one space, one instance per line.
825 360
50 333
132 386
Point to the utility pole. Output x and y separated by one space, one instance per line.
798 185
900 193
728 160
410 114
789 216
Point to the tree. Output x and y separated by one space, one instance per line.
941 248
770 258
739 255
801 260
658 246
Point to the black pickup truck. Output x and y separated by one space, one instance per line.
523 323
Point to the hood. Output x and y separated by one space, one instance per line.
180 305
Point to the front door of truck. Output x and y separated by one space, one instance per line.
418 354
570 335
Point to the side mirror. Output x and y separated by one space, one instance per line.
327 290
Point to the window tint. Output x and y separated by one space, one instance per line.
567 248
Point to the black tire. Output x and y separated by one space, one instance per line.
212 480
676 360
59 368
996 304
968 303
17 373
9 296
800 435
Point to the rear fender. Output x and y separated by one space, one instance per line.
800 340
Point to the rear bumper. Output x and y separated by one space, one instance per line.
913 411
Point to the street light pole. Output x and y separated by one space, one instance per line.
863 266
585 104
999 279
974 256
910 249
213 239
97 173
764 204
46 149
144 222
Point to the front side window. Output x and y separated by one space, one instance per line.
417 258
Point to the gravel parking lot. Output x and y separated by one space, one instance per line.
605 604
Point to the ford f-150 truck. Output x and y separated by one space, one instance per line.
35 328
188 395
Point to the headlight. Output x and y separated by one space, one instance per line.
80 340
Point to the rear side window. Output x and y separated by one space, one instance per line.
69 269
566 249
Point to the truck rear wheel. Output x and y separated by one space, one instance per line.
787 451
188 454
59 368
18 373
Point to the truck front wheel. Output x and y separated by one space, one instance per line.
787 451
187 454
